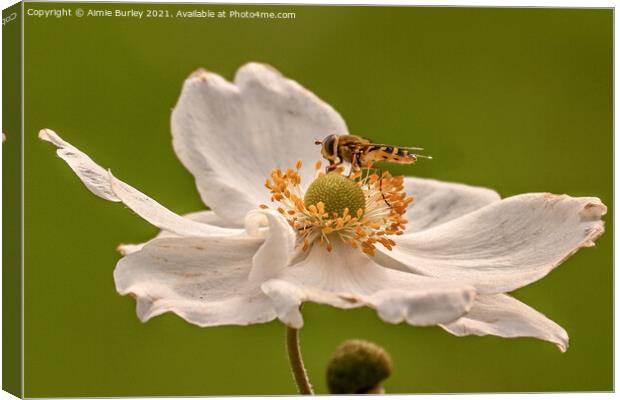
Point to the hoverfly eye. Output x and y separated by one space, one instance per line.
328 144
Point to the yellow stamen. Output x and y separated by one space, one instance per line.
386 204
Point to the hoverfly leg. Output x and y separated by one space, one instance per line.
354 164
333 165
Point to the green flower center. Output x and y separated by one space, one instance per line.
336 192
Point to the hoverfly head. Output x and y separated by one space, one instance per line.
328 148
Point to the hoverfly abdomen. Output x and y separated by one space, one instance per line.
391 154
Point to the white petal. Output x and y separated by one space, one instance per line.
210 218
231 135
279 247
505 245
203 280
103 184
346 278
436 202
92 175
128 248
205 217
505 316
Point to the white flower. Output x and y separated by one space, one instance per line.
462 250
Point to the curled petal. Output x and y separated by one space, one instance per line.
203 280
505 316
231 135
95 178
103 184
505 245
279 246
436 202
346 278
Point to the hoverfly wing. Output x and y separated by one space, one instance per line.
392 154
400 147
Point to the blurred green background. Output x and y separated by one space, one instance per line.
519 100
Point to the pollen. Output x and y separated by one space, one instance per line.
361 209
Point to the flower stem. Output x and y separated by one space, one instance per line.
296 362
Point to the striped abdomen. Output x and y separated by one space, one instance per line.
391 154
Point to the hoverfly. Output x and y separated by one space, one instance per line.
362 152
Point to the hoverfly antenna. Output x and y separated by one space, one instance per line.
318 141
422 156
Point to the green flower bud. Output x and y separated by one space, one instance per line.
357 367
337 192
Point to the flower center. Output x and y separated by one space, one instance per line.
337 193
361 209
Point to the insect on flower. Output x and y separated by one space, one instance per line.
362 152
